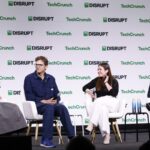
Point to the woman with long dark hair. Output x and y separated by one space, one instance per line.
101 99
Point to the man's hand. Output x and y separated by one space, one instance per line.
50 101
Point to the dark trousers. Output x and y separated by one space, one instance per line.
49 112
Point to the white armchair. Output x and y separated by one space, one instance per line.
32 117
117 115
113 120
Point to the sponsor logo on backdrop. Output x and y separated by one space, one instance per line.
59 4
40 18
86 120
58 33
11 32
120 20
76 107
6 48
132 6
144 77
132 34
6 18
20 3
92 62
132 91
77 77
18 62
114 48
133 119
144 48
12 92
144 20
7 77
132 63
77 48
38 48
57 62
86 33
78 19
66 92
120 76
96 5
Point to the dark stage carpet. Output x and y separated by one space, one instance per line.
129 144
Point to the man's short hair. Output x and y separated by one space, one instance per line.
42 58
145 145
80 142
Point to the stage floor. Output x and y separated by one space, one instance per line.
129 144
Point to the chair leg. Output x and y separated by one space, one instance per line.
28 129
114 130
36 131
118 131
74 123
82 125
93 136
59 132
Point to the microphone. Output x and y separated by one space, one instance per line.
94 93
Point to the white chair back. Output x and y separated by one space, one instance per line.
120 109
30 111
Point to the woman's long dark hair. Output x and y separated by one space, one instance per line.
100 82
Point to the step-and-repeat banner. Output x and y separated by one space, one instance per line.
75 36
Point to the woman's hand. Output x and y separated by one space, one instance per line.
108 86
106 79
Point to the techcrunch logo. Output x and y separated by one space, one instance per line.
66 92
58 33
105 19
6 48
132 34
39 18
7 78
134 120
7 18
131 91
113 48
132 6
76 107
86 33
59 4
13 62
20 3
132 62
101 5
144 20
77 48
144 48
76 77
10 32
87 62
33 48
60 63
120 76
144 76
11 92
77 19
